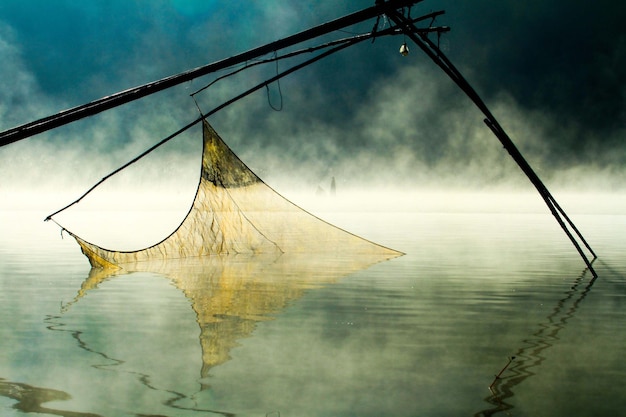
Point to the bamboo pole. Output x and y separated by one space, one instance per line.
433 51
105 103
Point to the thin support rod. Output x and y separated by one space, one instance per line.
105 103
374 34
127 164
433 51
310 49
349 42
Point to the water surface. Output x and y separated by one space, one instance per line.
419 335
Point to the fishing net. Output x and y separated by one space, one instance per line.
235 212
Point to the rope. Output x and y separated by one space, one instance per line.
280 93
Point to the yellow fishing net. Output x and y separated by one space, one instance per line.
235 212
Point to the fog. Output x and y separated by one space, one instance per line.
368 117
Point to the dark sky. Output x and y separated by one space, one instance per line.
553 73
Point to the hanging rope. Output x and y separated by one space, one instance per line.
280 93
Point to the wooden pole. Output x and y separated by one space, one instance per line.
105 103
421 39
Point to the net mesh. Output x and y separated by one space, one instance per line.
235 212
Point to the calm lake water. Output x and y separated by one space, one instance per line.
478 293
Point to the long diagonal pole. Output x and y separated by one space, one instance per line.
433 51
105 103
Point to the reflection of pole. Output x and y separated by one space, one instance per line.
529 356
444 63
105 103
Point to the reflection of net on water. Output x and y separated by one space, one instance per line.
235 212
519 366
230 295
